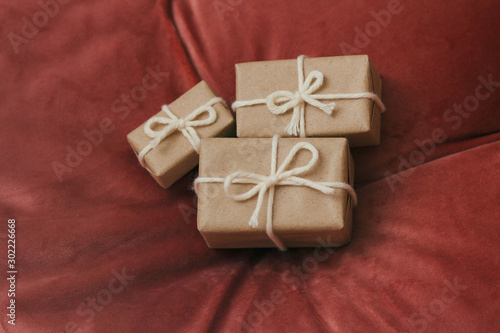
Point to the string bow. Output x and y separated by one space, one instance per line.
172 124
281 101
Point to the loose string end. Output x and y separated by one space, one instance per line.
354 198
329 108
292 129
254 222
329 191
379 102
280 246
194 186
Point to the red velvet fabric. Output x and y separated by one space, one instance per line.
425 253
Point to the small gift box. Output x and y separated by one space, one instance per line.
310 97
275 192
167 144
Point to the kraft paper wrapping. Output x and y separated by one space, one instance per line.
175 156
357 120
300 214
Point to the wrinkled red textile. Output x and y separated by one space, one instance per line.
425 252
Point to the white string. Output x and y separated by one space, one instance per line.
276 177
281 101
184 125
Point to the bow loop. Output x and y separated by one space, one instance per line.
313 82
281 101
158 134
153 122
291 155
191 118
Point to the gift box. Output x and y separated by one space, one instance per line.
310 97
275 192
167 143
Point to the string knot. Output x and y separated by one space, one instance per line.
272 180
180 124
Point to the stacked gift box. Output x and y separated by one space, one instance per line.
286 180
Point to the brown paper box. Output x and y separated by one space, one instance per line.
300 214
357 120
175 156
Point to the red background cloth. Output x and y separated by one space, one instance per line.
416 231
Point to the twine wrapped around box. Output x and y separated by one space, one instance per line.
277 177
281 101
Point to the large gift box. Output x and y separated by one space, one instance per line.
310 97
275 192
167 144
